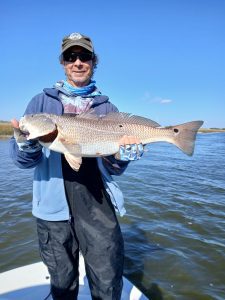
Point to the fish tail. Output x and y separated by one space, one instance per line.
185 135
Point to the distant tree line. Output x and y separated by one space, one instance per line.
215 128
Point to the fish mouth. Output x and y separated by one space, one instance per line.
26 134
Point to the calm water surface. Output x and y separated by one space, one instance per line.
174 229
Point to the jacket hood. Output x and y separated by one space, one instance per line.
54 93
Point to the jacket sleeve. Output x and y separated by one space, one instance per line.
114 166
23 159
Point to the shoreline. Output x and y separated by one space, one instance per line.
210 130
6 130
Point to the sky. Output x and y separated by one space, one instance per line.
162 59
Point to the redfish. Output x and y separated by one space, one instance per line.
87 135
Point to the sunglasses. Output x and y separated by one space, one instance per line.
73 56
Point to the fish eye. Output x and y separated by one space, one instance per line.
176 130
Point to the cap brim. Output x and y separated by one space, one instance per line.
76 43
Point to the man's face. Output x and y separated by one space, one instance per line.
79 72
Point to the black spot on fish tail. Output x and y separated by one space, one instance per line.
185 135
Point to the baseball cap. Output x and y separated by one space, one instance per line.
77 39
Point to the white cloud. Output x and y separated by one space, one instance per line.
165 101
148 98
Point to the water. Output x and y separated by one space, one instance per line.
174 229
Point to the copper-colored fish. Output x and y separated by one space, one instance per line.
87 135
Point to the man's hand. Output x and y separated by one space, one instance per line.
129 140
29 146
15 123
130 148
19 136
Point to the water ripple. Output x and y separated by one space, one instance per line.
174 229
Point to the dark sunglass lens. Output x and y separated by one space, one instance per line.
69 57
85 56
72 56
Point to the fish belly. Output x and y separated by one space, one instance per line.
99 149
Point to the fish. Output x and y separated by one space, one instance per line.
89 135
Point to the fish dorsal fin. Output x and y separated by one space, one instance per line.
118 117
90 114
121 117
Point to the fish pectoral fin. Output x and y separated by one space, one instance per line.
62 145
74 161
74 149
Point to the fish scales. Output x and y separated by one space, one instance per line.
101 129
89 132
90 135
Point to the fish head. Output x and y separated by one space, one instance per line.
37 125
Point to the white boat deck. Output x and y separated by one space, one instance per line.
31 282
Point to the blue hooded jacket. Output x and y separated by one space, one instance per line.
49 199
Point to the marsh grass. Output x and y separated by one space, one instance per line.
5 129
208 130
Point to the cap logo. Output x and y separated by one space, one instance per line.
75 36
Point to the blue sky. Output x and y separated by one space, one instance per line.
163 59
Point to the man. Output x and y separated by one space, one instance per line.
73 210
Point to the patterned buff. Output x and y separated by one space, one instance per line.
76 100
82 91
75 105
